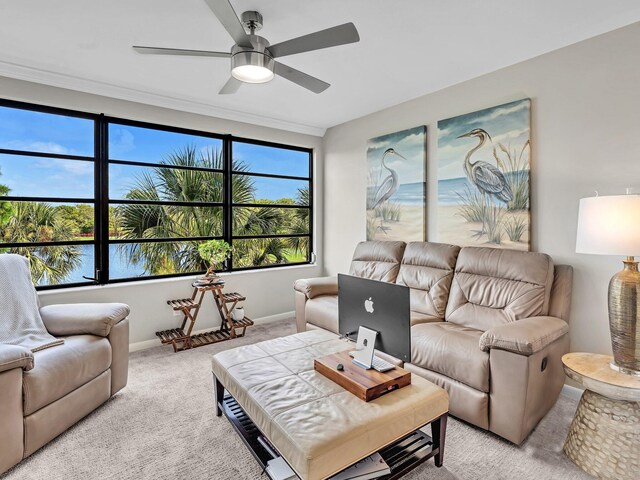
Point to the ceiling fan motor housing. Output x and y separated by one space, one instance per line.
253 65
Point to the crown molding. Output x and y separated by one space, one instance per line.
70 82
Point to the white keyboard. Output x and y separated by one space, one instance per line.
378 364
381 365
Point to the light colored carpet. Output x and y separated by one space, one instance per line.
163 426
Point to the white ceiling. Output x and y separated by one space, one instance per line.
408 48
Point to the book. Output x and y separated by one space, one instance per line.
278 469
368 468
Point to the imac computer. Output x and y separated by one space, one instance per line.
379 306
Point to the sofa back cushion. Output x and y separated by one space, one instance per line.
427 269
560 300
377 260
492 287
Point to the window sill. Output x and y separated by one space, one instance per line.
153 281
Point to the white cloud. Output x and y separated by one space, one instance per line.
44 147
500 111
73 167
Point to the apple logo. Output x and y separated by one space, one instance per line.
365 342
368 305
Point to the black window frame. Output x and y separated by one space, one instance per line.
101 200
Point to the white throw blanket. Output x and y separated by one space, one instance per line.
20 321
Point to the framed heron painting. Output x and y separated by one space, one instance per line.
483 177
396 180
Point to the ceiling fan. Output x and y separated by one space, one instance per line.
253 58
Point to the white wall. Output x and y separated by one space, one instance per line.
268 292
585 137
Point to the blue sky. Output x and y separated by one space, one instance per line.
41 132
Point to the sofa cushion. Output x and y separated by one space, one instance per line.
417 317
427 269
61 369
377 260
322 312
492 287
452 350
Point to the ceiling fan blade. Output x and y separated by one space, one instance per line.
232 86
227 16
304 80
331 37
179 51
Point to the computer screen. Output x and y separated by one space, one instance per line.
380 306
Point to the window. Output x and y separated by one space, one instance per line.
271 209
47 193
92 199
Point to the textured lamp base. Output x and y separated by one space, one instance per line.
604 439
624 315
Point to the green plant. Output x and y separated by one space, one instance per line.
473 205
41 222
214 252
390 212
6 209
515 167
493 224
139 221
515 228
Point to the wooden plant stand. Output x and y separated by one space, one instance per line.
182 338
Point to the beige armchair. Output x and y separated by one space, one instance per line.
43 393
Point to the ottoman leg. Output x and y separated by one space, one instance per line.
219 391
604 438
438 433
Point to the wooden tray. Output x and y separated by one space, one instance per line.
365 384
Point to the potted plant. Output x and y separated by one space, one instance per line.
214 252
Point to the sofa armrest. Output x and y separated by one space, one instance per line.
314 287
15 356
83 318
526 336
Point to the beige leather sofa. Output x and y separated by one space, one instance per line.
488 325
44 393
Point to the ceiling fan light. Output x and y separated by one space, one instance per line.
252 67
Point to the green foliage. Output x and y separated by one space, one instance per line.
79 216
473 208
214 252
515 228
515 166
6 209
168 221
41 222
493 224
389 211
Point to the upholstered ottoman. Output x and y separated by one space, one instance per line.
318 427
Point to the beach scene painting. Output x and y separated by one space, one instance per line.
396 186
483 177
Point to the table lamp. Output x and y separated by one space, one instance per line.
610 225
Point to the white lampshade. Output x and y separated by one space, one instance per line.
609 225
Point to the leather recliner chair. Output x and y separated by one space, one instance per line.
43 393
488 325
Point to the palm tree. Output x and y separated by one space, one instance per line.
169 221
42 222
300 223
5 207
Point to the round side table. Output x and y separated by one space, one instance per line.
604 439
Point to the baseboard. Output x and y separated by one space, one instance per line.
134 347
571 392
275 318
